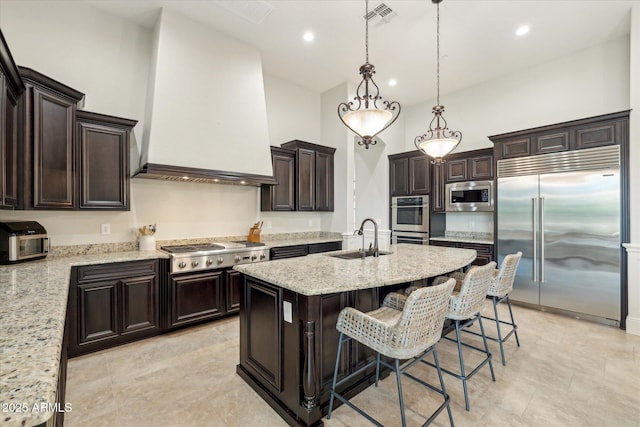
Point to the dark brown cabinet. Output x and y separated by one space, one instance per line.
409 174
437 187
607 129
304 172
103 146
195 297
485 251
110 304
291 357
11 88
282 252
47 114
469 166
280 197
233 291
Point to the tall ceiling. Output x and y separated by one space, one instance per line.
477 37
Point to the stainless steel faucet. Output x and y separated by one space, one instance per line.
372 251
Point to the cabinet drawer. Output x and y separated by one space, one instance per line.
317 248
288 252
91 273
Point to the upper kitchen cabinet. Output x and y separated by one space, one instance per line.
280 197
469 166
608 129
409 174
103 159
46 116
304 172
11 88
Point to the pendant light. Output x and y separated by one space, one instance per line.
439 141
364 115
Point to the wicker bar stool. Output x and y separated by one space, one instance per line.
403 329
501 286
464 309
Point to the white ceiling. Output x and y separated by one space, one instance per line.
478 41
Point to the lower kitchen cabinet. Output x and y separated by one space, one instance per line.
233 292
195 297
485 252
282 252
110 304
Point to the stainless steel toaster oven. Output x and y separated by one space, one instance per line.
22 241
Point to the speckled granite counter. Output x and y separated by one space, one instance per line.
323 274
32 314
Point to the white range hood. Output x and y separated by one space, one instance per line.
206 116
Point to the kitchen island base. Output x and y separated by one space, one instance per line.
288 345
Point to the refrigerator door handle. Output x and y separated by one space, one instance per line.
541 239
534 223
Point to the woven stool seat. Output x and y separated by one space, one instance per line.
403 329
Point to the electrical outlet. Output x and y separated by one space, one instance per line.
105 229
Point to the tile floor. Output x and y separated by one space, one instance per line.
567 372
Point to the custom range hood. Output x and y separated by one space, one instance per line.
206 117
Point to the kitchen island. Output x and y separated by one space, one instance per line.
289 309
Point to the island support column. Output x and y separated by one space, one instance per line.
310 315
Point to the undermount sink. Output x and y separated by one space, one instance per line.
357 255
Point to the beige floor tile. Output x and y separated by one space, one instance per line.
567 372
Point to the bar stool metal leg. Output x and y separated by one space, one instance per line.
486 348
513 323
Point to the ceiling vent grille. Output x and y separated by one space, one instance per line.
382 12
254 11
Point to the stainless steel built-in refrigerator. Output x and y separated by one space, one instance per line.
562 211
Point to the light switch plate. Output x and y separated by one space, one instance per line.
286 308
105 229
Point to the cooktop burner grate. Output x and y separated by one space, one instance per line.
180 249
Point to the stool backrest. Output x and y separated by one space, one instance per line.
472 293
502 282
420 325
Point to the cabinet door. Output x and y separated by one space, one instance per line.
53 166
399 177
232 287
9 137
306 162
280 197
98 312
418 175
456 170
104 167
140 304
485 252
324 182
195 297
437 187
552 142
480 167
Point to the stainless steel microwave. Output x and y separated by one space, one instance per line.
469 196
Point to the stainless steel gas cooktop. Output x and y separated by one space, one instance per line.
207 256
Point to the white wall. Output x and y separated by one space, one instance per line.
591 82
109 59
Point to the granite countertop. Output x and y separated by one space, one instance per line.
32 315
320 274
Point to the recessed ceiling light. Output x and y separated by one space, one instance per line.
522 30
393 82
308 36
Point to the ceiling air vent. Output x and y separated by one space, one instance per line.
254 11
381 11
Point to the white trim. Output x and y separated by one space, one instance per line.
633 288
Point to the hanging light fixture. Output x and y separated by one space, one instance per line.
363 115
439 141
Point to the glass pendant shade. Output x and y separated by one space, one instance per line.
367 122
438 148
